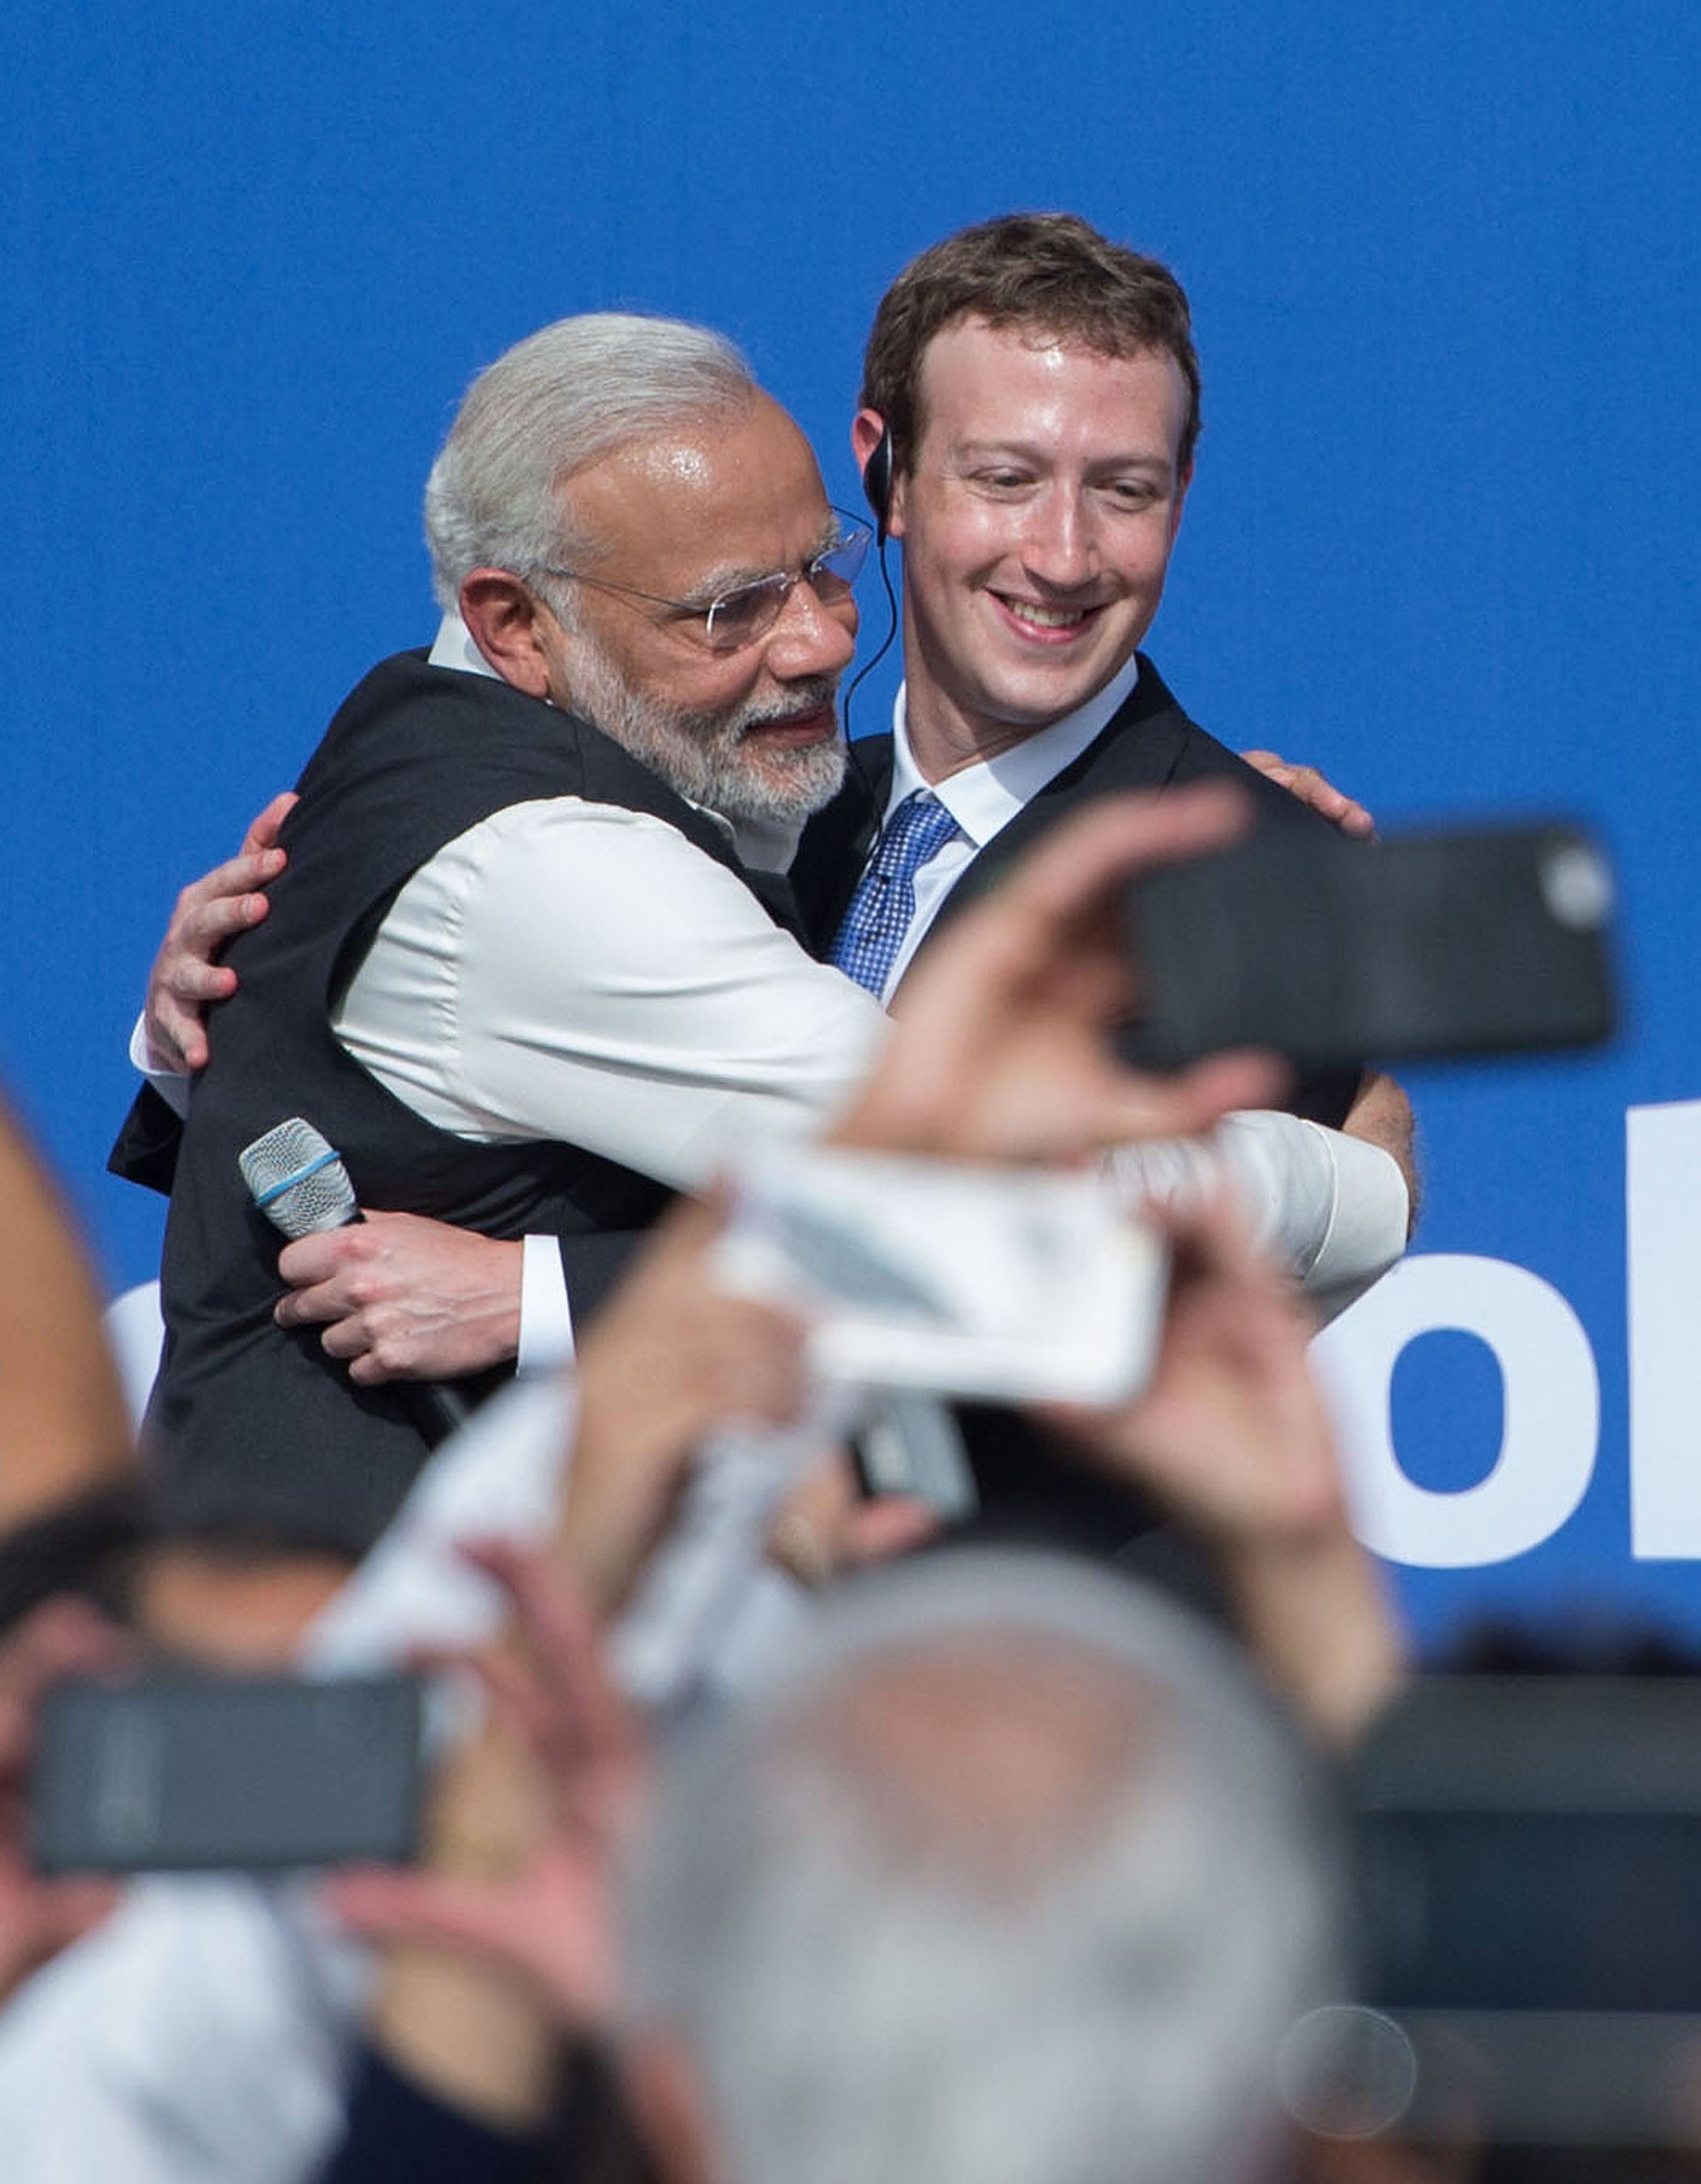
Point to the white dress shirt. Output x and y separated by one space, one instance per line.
985 797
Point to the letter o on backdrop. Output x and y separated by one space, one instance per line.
1551 1410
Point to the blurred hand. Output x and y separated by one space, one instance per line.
187 977
1310 786
1230 1433
667 1358
39 1918
826 1524
1000 1049
528 1820
402 1297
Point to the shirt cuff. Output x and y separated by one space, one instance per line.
546 1316
1332 1207
1368 1227
171 1086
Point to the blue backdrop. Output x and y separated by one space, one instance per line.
1443 540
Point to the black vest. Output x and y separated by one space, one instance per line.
254 1434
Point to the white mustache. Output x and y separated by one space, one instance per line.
798 704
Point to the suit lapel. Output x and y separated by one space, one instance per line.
836 842
1138 748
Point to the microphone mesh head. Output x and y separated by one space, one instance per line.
303 1185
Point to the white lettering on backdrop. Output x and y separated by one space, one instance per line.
1551 1406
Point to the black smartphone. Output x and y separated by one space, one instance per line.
182 1772
1332 952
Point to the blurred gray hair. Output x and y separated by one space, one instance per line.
559 400
1069 1958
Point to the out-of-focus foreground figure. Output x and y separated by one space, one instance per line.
1014 1878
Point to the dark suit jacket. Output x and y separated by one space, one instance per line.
1149 744
1028 1487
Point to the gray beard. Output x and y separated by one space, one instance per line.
703 756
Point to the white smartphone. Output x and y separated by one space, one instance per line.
1006 1284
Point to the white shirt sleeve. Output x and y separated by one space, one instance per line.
546 1313
1331 1208
578 971
1336 1208
172 1085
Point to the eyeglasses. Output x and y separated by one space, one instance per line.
741 617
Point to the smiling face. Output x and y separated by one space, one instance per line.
1037 510
687 515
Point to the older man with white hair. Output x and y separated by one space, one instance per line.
523 969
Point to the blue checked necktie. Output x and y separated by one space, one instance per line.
884 905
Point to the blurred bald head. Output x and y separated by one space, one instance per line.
1013 1881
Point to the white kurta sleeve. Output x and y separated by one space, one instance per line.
578 971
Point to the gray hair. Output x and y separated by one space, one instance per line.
1015 1880
555 402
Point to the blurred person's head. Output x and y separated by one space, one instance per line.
1013 1880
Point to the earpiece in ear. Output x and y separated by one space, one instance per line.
876 481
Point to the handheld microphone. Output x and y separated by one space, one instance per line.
295 1178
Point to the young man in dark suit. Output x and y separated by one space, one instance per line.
1029 413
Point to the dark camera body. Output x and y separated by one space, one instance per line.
183 1772
1330 952
1527 1852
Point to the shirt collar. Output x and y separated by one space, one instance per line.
986 796
454 648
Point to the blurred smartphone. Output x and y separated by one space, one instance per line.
1331 951
1010 1284
180 1772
